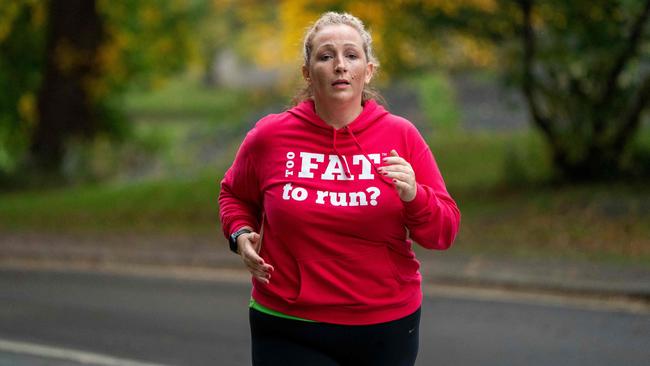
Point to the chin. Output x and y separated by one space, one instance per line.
343 97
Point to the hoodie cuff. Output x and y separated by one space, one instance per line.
420 202
238 224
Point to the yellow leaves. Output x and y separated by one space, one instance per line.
545 14
220 4
370 13
282 42
27 108
479 53
10 10
374 17
489 6
39 15
96 88
164 46
179 5
110 60
452 7
408 52
295 17
68 58
149 16
465 49
8 13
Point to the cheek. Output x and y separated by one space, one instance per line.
358 72
317 75
357 75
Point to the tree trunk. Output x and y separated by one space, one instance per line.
65 108
601 164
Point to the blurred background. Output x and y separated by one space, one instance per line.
121 116
118 120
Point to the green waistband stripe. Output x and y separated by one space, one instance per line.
261 308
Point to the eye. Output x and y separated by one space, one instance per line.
352 56
324 57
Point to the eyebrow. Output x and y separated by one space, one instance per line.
331 45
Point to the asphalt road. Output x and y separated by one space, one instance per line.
69 319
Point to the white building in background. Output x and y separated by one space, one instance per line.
229 70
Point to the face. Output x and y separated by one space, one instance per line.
338 68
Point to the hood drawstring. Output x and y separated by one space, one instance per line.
348 175
381 176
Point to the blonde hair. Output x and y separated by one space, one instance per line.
333 18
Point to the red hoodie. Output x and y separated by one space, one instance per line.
334 229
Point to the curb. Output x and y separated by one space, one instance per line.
556 276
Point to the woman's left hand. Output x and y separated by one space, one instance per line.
402 174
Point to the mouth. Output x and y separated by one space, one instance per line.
340 82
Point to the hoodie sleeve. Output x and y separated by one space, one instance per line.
432 218
240 196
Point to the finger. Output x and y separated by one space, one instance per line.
255 262
254 237
393 152
261 274
396 168
402 177
266 268
401 185
251 255
262 279
395 161
405 191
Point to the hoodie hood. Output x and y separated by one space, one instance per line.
370 114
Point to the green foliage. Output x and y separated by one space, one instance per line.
488 159
184 96
159 206
21 50
143 43
438 101
147 40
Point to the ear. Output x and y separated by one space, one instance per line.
305 73
370 72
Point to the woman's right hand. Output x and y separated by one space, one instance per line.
249 246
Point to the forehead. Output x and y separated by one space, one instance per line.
337 34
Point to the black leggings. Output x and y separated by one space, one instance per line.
280 341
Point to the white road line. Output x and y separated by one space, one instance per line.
67 354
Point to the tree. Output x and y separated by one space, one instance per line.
66 108
582 66
588 107
21 57
66 63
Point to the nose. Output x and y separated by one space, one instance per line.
339 65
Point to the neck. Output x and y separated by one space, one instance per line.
338 115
